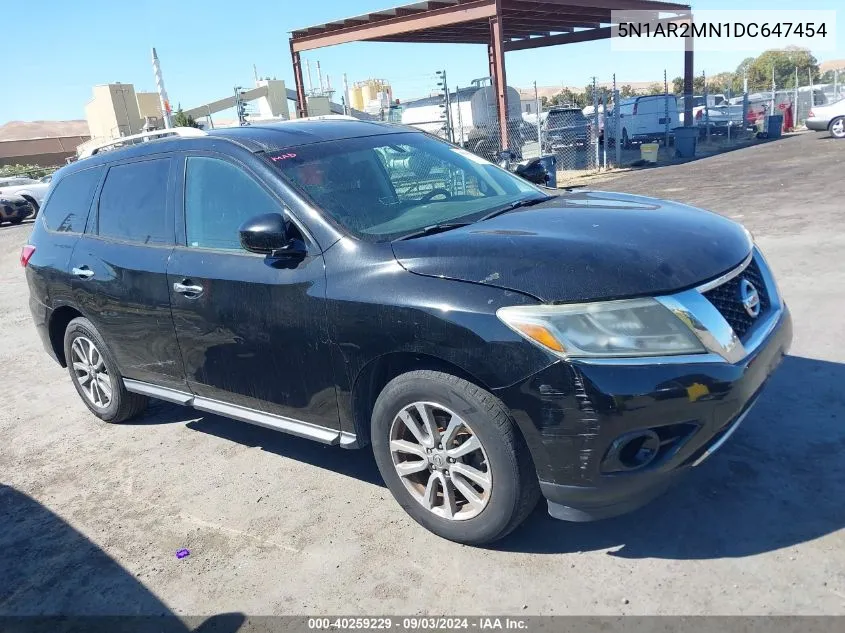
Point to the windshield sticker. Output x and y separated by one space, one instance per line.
283 156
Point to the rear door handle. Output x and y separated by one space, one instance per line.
187 289
83 272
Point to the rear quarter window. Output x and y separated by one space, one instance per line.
66 208
133 203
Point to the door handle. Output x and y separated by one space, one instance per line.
187 289
83 272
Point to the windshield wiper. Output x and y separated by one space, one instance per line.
526 202
434 228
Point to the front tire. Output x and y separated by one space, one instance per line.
95 375
453 458
837 128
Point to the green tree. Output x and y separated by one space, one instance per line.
678 85
626 91
180 119
655 89
783 65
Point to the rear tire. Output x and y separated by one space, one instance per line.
626 142
504 487
837 127
94 373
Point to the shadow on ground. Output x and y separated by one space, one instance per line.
47 568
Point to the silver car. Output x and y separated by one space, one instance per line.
830 118
14 209
28 188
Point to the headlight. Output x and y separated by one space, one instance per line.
631 327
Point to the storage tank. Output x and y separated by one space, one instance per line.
356 100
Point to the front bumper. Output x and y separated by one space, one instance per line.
574 413
609 435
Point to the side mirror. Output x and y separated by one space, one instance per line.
269 234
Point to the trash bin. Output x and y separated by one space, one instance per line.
774 125
648 152
685 141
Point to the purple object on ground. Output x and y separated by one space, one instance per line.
182 553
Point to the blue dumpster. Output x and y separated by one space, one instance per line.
774 125
685 141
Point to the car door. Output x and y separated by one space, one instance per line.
119 270
252 334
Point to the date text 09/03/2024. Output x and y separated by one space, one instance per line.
424 623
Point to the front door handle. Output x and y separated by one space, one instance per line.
83 272
187 289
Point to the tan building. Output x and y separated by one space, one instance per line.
113 111
149 107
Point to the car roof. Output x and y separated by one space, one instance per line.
263 137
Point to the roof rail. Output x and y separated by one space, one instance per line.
143 137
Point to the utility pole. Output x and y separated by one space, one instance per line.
310 82
320 78
346 108
240 107
443 85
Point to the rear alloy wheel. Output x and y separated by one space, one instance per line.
452 457
95 375
837 127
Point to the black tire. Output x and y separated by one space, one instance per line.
15 220
123 404
514 490
626 142
837 127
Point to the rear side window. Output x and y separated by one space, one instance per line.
66 210
133 203
219 197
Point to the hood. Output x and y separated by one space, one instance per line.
584 246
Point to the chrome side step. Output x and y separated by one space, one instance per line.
245 414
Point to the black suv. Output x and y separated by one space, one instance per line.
364 284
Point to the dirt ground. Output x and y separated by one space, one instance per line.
91 515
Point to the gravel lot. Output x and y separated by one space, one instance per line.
91 514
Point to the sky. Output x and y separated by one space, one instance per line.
208 46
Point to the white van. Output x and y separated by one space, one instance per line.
643 119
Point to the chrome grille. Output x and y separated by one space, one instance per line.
726 299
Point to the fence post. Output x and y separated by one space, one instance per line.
795 114
595 133
603 129
539 124
706 107
730 122
666 110
460 117
744 109
616 145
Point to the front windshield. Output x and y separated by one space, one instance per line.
391 185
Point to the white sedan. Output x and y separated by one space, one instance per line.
29 189
830 117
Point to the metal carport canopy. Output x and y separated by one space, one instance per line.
503 25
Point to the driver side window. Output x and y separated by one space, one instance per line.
219 197
416 175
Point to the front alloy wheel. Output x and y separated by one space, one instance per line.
837 128
440 461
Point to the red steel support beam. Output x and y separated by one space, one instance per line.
456 14
301 103
564 38
496 53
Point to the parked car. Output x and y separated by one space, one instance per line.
644 119
14 209
28 188
719 119
363 284
830 118
564 127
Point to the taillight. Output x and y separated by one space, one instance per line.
811 115
26 254
636 103
698 115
